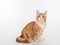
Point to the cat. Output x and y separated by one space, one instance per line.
34 29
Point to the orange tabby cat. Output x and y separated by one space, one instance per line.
34 29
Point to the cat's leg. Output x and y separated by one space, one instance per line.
39 38
36 38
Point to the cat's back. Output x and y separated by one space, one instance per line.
29 25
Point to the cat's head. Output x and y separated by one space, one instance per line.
41 17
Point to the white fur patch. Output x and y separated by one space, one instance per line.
42 25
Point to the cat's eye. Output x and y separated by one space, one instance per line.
42 16
39 15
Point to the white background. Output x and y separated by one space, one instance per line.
15 14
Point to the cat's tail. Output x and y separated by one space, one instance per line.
23 39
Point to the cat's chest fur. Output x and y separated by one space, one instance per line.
42 25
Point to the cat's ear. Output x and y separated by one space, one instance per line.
37 12
45 12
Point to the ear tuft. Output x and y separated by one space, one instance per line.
37 11
45 12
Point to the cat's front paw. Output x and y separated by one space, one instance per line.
37 39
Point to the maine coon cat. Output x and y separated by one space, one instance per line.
34 29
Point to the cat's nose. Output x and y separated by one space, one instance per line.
41 17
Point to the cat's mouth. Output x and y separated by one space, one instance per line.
41 19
